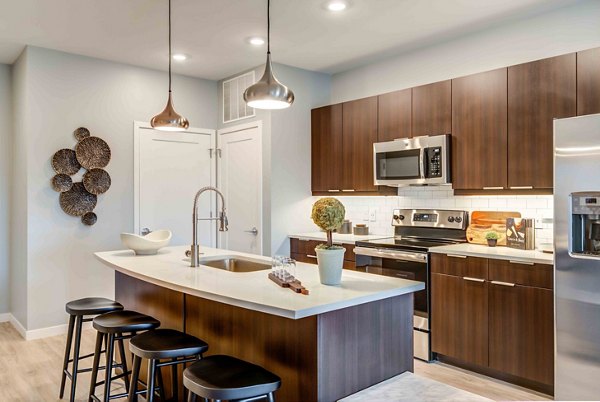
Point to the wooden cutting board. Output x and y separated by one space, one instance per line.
483 222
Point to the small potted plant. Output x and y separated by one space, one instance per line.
492 238
328 214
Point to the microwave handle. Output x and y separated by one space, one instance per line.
422 162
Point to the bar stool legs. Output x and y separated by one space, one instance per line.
75 326
67 355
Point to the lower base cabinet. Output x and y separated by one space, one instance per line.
494 316
304 251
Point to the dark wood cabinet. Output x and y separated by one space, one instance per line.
521 331
538 92
304 251
494 316
394 115
359 135
479 131
326 148
459 309
588 82
432 109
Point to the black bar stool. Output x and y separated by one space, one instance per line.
77 310
116 327
162 344
220 377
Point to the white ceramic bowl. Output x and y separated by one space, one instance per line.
146 245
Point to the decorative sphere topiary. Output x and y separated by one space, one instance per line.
328 214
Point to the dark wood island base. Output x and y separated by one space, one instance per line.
323 357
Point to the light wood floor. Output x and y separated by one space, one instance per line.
30 371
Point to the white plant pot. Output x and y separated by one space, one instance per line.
330 263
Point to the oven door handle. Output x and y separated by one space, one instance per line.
392 254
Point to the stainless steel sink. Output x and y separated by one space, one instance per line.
235 263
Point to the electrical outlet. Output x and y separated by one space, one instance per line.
372 214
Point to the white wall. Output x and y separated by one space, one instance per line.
561 31
286 153
65 91
5 174
18 186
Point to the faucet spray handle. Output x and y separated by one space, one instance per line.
224 222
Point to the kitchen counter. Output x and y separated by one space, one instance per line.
338 237
253 290
500 253
326 345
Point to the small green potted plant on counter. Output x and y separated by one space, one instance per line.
492 238
328 214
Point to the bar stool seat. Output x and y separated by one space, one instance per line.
92 306
78 310
113 328
166 344
173 347
124 321
226 377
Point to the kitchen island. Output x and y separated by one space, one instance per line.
326 345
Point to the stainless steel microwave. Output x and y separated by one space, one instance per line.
413 161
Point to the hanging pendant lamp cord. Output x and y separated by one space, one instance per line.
169 46
268 26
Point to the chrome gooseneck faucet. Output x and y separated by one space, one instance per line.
195 249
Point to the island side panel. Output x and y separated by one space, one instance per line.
286 347
164 304
363 345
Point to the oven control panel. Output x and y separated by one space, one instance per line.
437 218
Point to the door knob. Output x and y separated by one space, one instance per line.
254 231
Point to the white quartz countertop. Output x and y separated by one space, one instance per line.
337 237
500 253
254 290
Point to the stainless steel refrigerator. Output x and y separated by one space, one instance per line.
577 257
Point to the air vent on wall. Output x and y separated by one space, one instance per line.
234 107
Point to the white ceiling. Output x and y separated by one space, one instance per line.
213 32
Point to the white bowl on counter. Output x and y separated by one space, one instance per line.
148 244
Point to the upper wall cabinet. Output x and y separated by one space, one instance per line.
479 132
431 109
394 115
588 82
538 92
326 128
360 133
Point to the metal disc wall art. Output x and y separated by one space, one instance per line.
93 154
96 181
77 201
62 182
65 161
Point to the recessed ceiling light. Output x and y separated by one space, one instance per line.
180 57
256 41
337 5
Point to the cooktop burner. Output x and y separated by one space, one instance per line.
418 244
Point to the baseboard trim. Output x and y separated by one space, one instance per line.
39 333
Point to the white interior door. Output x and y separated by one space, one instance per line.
169 169
240 180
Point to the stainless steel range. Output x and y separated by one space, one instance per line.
406 255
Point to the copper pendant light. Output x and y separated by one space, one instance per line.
268 92
169 119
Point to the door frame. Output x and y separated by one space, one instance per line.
261 212
138 129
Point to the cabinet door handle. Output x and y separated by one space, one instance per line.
456 256
348 190
311 256
333 191
521 262
503 283
468 278
494 188
521 187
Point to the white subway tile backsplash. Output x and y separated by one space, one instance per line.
538 207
